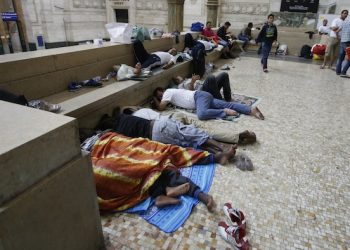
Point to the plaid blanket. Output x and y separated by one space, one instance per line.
125 168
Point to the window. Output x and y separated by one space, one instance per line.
122 15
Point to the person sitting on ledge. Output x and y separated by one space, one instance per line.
209 35
159 58
207 107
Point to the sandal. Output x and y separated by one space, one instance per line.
92 83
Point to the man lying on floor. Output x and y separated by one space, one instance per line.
213 85
207 107
217 130
129 170
163 130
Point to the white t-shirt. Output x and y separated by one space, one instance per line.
336 23
207 45
180 97
324 29
147 114
165 57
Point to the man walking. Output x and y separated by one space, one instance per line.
344 43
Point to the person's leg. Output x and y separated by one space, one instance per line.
140 52
170 131
203 103
177 180
240 108
151 62
335 53
223 81
266 48
341 57
210 85
347 63
216 129
327 52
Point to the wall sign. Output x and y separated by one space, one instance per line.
9 16
300 6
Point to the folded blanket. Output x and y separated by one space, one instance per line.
125 168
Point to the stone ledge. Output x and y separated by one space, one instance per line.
33 144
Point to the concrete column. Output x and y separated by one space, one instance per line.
17 4
212 11
175 15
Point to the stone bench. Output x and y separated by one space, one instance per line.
46 75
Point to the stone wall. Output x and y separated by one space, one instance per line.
78 20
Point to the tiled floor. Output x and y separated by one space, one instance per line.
298 196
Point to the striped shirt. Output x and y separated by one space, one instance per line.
345 34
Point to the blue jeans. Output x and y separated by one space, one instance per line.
243 38
341 57
265 49
210 108
223 42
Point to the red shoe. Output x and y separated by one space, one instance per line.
235 216
233 235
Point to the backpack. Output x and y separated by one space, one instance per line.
198 55
140 33
9 97
197 26
306 52
319 49
189 41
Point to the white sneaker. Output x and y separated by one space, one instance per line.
232 235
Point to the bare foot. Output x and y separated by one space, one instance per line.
257 113
247 137
222 158
177 191
208 200
230 112
162 201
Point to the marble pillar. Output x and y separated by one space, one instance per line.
175 15
212 11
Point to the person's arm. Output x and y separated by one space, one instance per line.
160 105
261 34
168 65
275 35
193 81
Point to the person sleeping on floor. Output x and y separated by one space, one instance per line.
129 170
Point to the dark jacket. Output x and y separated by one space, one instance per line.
268 34
222 33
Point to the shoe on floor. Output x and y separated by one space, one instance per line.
265 70
231 235
235 216
344 76
44 105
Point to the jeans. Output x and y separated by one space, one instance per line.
213 85
243 38
210 108
341 57
265 49
223 42
169 131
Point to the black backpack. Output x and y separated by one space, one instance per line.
306 52
9 97
198 55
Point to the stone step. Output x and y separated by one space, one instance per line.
33 144
59 212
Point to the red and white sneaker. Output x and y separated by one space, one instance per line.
235 216
233 235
